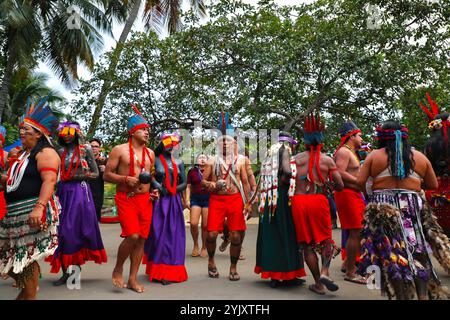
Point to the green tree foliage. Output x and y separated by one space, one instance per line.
269 66
62 32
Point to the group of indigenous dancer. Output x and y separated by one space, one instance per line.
396 231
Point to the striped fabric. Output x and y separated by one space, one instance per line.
21 245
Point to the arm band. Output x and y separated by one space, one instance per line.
49 169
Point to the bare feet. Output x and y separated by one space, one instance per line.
136 286
195 252
317 289
204 253
117 279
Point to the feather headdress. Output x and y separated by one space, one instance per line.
136 121
40 117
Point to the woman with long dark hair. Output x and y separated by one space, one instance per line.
28 232
395 236
78 232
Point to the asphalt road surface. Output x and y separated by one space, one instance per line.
96 279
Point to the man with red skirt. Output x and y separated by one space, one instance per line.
350 202
314 174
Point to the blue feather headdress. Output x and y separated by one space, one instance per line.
40 116
2 133
136 121
224 124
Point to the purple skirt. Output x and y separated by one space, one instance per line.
79 235
165 247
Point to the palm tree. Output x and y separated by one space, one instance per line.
158 14
25 85
42 29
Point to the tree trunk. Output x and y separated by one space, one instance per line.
6 82
112 68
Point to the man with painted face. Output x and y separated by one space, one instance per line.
227 178
130 166
166 245
78 233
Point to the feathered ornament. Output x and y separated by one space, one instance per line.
224 124
384 246
40 116
2 134
270 169
436 237
434 107
347 130
313 137
136 121
435 124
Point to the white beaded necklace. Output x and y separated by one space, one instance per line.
17 171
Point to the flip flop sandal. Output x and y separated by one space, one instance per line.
234 276
313 288
212 272
195 253
328 283
357 280
224 245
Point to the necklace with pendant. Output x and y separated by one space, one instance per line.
353 152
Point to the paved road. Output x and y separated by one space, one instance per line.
96 279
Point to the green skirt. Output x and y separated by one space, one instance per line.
277 252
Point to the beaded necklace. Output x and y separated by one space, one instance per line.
16 172
353 152
67 175
134 157
171 188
